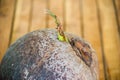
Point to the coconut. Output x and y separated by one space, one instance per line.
39 55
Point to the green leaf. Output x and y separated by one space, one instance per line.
61 38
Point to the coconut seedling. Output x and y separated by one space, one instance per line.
84 50
50 54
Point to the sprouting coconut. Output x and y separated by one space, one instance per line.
49 54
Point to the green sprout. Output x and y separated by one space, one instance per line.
61 35
54 16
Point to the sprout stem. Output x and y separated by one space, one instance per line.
54 16
61 35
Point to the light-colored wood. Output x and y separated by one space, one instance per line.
6 18
110 38
38 15
91 30
22 17
57 7
72 17
117 6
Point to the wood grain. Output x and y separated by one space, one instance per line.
21 23
110 38
7 8
117 9
38 15
72 17
91 30
98 21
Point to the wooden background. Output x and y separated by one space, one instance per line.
97 21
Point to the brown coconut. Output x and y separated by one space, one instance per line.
39 55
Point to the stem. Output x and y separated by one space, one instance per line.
61 35
54 16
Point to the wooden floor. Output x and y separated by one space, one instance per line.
97 21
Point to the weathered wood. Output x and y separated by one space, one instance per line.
57 9
7 8
72 17
110 38
91 30
38 20
21 23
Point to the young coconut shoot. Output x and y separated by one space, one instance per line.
61 35
84 51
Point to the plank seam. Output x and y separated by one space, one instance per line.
116 16
30 16
64 16
101 40
12 23
81 18
0 4
47 17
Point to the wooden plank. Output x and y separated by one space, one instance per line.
72 17
6 18
91 30
111 39
22 17
57 9
117 9
38 15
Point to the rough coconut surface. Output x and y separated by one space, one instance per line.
39 55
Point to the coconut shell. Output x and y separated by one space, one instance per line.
39 55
